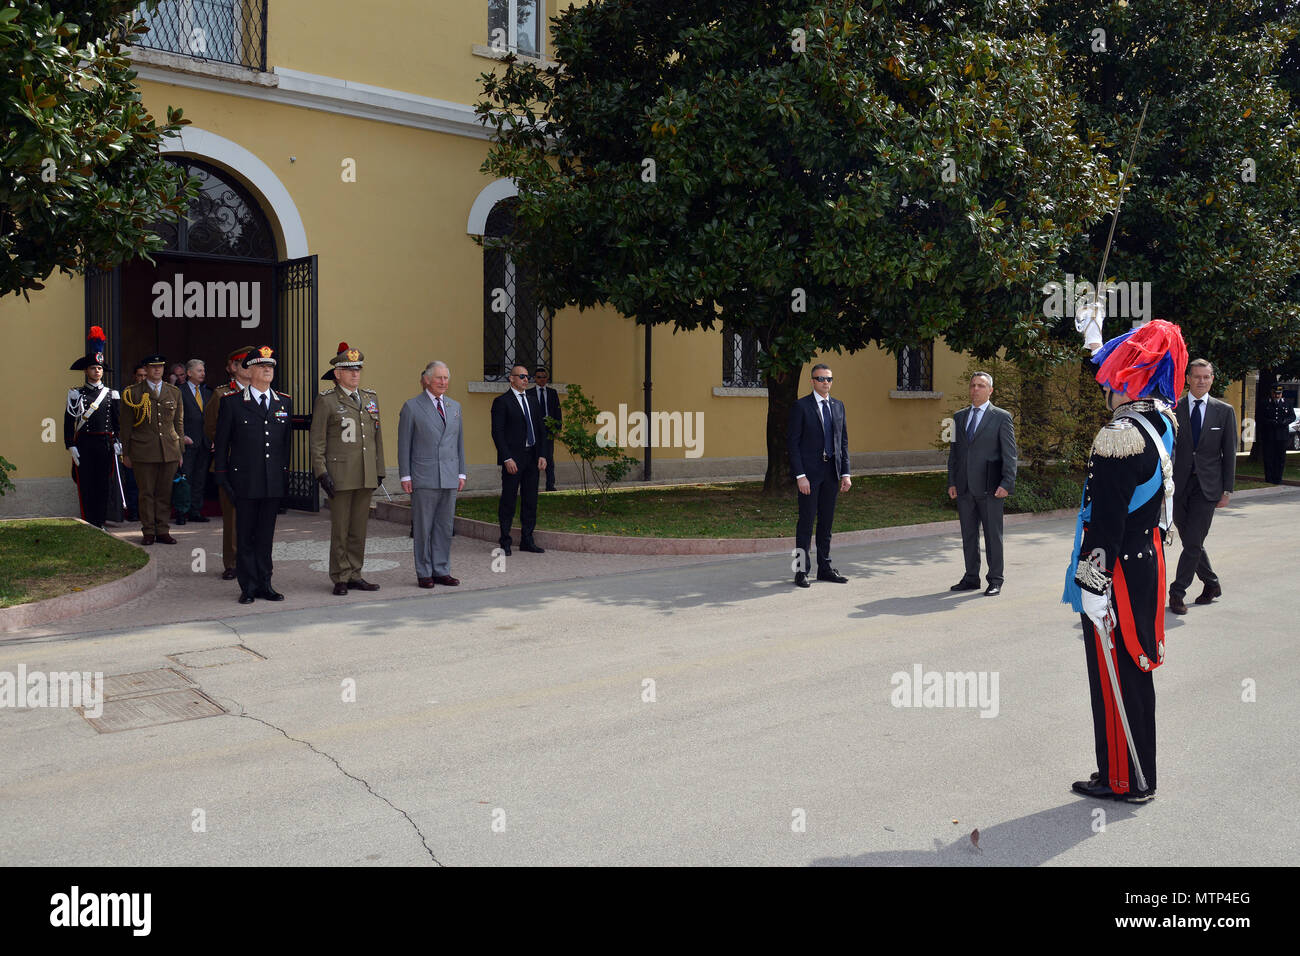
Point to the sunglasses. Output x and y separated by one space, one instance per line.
524 377
823 378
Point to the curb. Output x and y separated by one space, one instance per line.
619 544
99 598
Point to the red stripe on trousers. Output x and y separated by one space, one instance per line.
1116 744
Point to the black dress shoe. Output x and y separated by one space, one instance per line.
1093 787
446 580
245 598
180 520
268 594
801 579
505 547
361 584
964 585
1176 605
532 548
340 589
992 590
200 518
1137 796
229 574
1210 592
830 574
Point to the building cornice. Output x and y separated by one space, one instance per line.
311 91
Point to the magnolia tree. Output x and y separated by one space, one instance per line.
821 175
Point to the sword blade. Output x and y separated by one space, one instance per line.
1103 628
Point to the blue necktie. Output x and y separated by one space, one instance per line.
828 429
528 420
1196 423
972 424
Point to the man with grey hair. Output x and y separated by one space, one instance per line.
981 473
431 462
195 396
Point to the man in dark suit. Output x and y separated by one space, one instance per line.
254 427
516 431
194 465
819 461
548 400
981 473
431 462
1205 468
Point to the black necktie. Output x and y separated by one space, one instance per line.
974 421
828 429
528 420
1196 423
266 403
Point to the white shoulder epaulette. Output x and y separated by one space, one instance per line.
326 391
1119 439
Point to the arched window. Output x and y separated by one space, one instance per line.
223 220
515 330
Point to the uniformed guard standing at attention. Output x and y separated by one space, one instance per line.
347 458
153 426
1116 578
90 424
254 429
238 380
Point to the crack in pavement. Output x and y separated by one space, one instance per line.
371 790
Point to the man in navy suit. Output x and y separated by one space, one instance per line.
518 434
194 463
819 461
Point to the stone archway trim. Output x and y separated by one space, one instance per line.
491 194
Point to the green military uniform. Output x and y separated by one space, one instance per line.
347 453
210 412
152 430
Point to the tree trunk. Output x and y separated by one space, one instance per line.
782 393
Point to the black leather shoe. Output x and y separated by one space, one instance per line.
1210 592
505 548
992 590
180 520
245 598
830 574
340 589
1138 796
200 519
801 579
1093 787
531 548
964 585
1176 605
361 584
229 574
269 594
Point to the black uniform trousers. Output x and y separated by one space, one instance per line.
976 512
254 529
819 503
526 478
95 478
1273 451
1138 693
1192 516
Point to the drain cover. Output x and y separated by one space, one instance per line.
216 656
148 699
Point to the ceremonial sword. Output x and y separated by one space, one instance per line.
1104 628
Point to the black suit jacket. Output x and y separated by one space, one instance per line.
988 460
193 415
552 411
807 440
510 432
253 447
1215 457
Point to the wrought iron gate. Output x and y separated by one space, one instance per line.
104 308
295 371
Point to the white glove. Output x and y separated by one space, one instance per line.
76 456
117 448
1097 607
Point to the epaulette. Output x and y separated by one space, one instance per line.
327 391
282 394
362 388
1119 439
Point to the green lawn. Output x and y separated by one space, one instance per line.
732 510
1255 469
47 557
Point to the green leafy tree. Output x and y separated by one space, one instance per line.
823 174
81 177
588 450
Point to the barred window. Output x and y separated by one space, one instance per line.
740 351
916 368
515 330
517 26
228 31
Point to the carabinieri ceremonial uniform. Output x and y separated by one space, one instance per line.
1117 572
347 458
90 425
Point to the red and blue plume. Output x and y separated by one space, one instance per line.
96 338
1144 361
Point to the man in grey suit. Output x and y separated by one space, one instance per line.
981 473
1205 467
194 461
431 461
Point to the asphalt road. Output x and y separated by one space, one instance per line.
709 714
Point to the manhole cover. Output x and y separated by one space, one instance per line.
144 682
166 707
216 656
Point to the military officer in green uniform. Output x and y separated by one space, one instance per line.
347 455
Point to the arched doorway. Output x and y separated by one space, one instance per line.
218 285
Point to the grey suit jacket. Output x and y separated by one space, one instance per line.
1214 459
431 453
988 460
